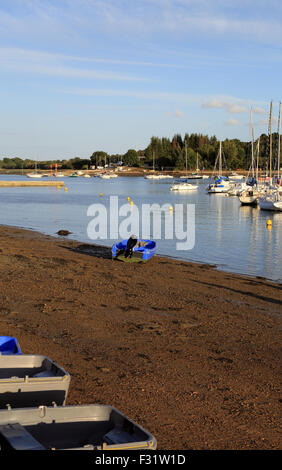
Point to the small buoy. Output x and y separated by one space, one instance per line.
101 194
66 189
170 208
131 202
58 187
128 198
269 222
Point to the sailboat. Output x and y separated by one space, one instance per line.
272 200
183 186
250 196
154 176
35 174
195 175
221 184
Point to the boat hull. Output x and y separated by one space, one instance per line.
142 252
269 205
183 187
9 346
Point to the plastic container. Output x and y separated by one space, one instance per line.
31 380
81 427
9 345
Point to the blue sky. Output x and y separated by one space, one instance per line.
83 75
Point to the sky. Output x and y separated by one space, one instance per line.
78 76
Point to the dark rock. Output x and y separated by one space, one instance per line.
63 233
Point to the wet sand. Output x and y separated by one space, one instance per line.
190 353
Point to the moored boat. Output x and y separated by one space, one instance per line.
271 201
34 175
236 189
183 187
235 176
249 197
221 185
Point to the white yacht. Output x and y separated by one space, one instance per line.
183 187
272 201
221 183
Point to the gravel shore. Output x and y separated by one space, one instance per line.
190 353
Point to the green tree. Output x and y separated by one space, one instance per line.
131 158
99 158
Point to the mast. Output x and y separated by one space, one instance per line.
270 142
220 160
197 164
252 134
279 132
186 157
257 159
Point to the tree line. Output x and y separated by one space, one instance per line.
164 153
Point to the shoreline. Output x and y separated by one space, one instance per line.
197 263
187 351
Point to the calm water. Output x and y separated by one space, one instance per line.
231 236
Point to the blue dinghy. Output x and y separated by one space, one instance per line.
9 345
134 250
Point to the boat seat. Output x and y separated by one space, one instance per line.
18 437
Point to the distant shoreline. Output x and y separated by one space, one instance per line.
126 172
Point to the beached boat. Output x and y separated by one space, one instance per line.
92 427
134 250
9 345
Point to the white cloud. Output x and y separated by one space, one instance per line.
258 110
214 103
53 65
69 20
232 122
178 113
229 107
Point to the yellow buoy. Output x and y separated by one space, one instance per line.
131 202
170 208
269 222
58 187
101 194
128 198
66 189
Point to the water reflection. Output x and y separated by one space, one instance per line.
233 237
